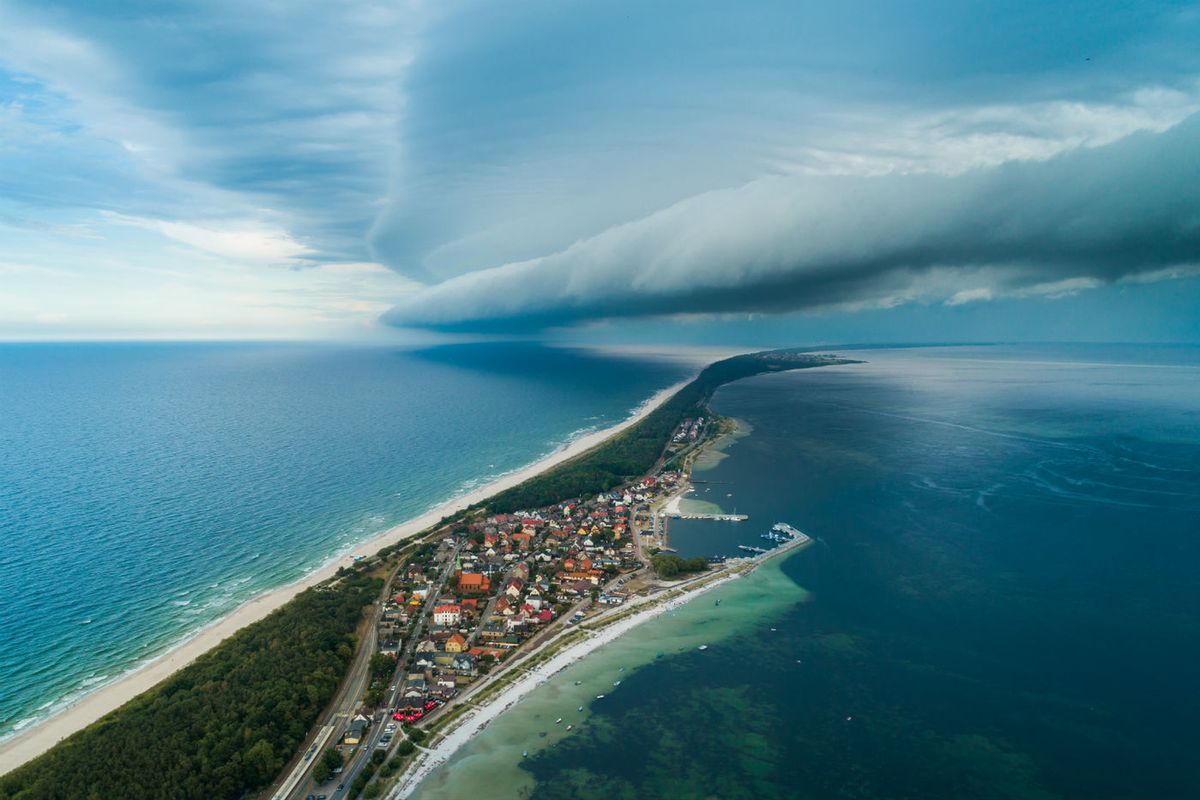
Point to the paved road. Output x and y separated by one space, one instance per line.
298 783
360 756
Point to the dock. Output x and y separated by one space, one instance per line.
718 517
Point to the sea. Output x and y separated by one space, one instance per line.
1000 600
148 489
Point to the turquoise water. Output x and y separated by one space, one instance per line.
1001 601
146 490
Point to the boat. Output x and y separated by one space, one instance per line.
718 602
580 708
570 726
577 683
786 530
558 720
616 683
599 697
702 647
525 754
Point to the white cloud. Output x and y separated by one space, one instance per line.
242 240
964 296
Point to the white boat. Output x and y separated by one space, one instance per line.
581 708
599 697
570 726
702 647
616 683
558 720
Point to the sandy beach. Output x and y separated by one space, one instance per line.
37 739
476 721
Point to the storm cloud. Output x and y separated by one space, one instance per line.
1127 210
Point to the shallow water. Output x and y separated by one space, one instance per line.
1003 597
146 490
491 764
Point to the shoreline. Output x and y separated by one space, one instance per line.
31 742
474 723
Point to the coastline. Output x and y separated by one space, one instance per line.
475 722
40 737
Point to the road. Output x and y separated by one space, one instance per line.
359 758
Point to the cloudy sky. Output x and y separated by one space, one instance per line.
791 171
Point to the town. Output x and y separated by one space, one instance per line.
480 592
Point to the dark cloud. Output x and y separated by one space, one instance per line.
1125 210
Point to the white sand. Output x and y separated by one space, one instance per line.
41 737
474 722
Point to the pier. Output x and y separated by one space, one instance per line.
718 517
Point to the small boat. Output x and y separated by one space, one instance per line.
702 647
599 697
577 683
718 602
622 669
616 683
558 720
570 726
580 708
525 754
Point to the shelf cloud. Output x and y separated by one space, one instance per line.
1129 210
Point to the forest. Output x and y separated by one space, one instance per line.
636 450
221 727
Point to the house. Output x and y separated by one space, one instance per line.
456 643
463 664
356 731
447 614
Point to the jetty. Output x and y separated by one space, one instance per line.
718 517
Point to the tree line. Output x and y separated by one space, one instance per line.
635 451
222 727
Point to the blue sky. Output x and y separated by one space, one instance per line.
612 171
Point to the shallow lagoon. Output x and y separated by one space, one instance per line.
1002 602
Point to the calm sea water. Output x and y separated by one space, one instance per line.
1002 601
146 490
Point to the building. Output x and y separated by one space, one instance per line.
356 731
447 614
473 582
